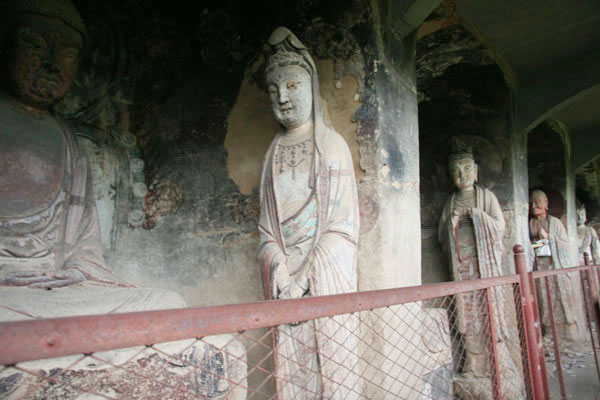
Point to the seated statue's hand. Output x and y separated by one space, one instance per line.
24 278
58 279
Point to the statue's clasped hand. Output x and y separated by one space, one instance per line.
293 291
43 280
461 212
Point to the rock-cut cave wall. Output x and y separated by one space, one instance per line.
170 105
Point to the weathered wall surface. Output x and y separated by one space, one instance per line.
546 160
179 87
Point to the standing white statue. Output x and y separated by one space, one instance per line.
309 227
587 238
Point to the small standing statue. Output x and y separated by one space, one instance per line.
588 238
309 227
470 231
551 243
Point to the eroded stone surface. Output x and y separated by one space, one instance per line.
212 369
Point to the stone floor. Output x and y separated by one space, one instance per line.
580 372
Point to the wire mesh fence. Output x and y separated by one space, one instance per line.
460 340
568 333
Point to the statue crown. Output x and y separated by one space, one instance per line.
60 9
286 50
460 150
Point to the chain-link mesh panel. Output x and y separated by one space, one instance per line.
568 339
469 345
441 348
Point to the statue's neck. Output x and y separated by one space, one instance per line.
540 217
466 192
297 135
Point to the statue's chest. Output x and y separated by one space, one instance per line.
32 165
583 237
292 170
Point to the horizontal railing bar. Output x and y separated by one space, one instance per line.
543 274
47 338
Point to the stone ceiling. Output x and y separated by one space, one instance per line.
549 51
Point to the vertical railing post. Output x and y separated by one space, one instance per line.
495 357
556 340
591 300
598 272
531 339
537 322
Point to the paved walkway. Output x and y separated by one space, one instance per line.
580 371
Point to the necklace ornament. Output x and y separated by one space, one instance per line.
290 155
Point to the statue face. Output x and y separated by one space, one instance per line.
538 204
42 56
463 173
290 90
581 217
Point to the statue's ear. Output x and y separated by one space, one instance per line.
476 171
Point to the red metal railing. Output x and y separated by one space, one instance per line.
445 340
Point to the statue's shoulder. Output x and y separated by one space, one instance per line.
484 190
488 194
555 223
70 138
334 143
553 219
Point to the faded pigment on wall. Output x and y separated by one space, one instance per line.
173 113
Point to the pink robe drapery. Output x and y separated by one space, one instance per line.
561 258
488 225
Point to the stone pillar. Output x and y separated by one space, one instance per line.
390 158
519 218
571 225
389 248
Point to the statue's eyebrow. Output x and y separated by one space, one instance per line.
69 42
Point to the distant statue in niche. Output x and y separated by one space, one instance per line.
49 236
551 246
471 230
587 237
309 228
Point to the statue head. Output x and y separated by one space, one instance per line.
291 80
581 214
40 41
461 164
538 204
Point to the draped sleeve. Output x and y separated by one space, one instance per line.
333 267
271 251
82 249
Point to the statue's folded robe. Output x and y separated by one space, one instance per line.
65 235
